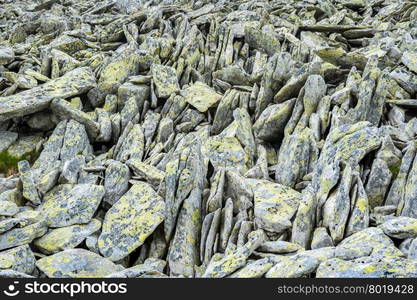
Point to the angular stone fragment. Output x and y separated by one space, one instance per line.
66 111
123 65
305 219
21 236
409 59
387 267
272 120
293 267
116 182
68 204
7 55
266 40
131 145
77 263
254 269
274 205
38 98
201 96
279 247
149 265
8 209
183 253
296 157
400 227
165 79
236 259
19 259
321 239
6 139
372 237
130 221
75 141
28 182
64 238
225 152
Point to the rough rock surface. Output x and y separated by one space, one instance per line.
215 139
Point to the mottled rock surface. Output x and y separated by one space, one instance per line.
208 139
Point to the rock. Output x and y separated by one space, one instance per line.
400 227
20 259
69 204
236 259
7 138
8 209
200 96
225 152
7 55
274 205
116 181
130 221
241 139
76 263
293 267
38 98
150 265
21 236
64 238
165 80
388 267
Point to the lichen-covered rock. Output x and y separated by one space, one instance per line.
38 98
201 96
20 259
116 181
130 221
165 80
387 267
400 227
149 265
8 209
293 267
274 205
7 55
188 139
69 204
233 261
64 238
76 263
225 152
21 236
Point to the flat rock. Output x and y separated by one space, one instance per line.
130 221
64 238
68 204
201 96
38 98
274 204
77 263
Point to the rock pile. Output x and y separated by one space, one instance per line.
254 138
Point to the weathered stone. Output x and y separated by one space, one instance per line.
76 263
130 221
